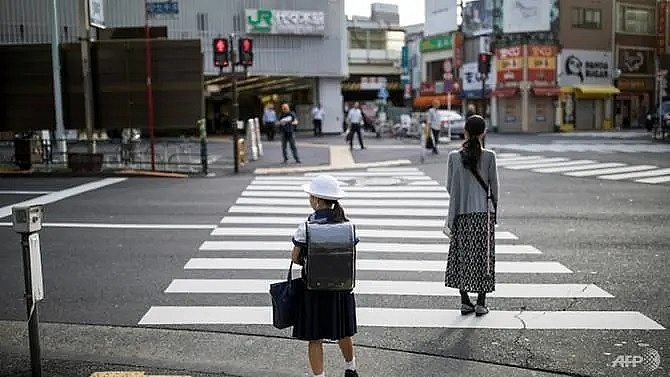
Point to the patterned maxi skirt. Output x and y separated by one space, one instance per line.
468 267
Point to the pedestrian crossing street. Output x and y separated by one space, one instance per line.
609 171
399 213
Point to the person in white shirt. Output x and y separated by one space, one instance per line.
433 118
317 119
355 120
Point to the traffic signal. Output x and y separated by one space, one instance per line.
484 66
221 52
246 49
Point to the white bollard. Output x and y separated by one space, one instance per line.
257 129
251 137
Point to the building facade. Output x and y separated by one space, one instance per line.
297 40
586 65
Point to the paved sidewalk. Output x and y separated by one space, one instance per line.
79 350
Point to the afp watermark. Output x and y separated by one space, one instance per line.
648 360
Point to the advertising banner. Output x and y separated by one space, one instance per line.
441 17
478 18
523 16
472 79
585 67
635 61
542 65
661 24
509 66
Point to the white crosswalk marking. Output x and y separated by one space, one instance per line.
399 214
610 171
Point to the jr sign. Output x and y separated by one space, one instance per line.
273 21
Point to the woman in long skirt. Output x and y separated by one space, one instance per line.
472 183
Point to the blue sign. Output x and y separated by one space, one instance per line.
404 61
163 8
383 93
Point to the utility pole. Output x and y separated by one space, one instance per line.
150 88
236 104
58 94
85 41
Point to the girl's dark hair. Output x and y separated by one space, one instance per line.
338 215
472 148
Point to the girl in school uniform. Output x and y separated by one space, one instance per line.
324 314
471 219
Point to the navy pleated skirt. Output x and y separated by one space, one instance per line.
325 315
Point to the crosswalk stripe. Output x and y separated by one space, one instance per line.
506 155
305 210
292 180
362 247
654 180
501 161
403 173
347 202
535 161
393 169
363 233
639 174
577 168
359 221
372 265
408 318
395 288
622 169
427 188
550 165
354 195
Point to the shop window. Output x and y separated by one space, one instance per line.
586 18
636 19
358 39
434 71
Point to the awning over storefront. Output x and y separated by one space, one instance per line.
547 91
427 100
596 90
505 92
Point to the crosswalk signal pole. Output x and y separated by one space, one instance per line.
27 221
236 104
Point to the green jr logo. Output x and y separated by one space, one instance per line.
263 21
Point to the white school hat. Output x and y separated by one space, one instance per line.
325 187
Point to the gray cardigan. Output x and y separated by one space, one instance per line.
466 195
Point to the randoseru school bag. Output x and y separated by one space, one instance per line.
331 256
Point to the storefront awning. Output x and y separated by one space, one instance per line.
427 100
505 92
547 91
597 90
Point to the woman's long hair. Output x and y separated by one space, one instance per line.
471 153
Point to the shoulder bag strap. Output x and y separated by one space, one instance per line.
486 188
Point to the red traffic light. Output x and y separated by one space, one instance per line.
220 47
484 66
246 47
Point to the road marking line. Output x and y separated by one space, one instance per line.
292 180
364 194
322 168
60 195
535 161
577 168
395 170
654 180
362 247
395 288
501 161
506 155
401 174
408 318
639 174
550 165
21 192
347 202
399 188
373 211
126 226
363 233
340 156
623 169
372 265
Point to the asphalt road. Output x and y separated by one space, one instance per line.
613 234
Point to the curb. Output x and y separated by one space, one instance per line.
103 174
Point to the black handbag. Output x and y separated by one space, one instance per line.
285 300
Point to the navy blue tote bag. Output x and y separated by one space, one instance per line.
285 300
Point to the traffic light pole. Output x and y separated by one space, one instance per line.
236 104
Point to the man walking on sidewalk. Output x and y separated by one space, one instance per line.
287 119
317 119
269 120
435 124
355 120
